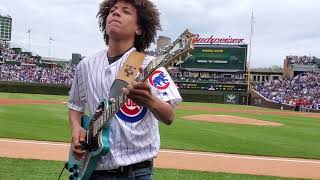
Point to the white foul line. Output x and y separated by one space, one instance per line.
240 156
178 152
33 142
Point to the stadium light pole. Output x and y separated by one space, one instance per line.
49 47
249 60
50 39
29 32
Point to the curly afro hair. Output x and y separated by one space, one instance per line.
148 20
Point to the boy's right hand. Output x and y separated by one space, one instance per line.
78 135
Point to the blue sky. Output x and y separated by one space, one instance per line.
282 27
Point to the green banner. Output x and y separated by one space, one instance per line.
217 57
210 86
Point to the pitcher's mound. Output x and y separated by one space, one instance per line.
230 120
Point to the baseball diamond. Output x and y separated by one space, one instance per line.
163 90
212 162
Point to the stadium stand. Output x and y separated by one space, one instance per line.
55 75
24 68
7 54
305 60
302 91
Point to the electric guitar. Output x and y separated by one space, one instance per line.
97 127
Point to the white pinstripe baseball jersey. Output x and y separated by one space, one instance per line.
134 134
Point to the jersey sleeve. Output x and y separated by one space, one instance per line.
75 101
164 87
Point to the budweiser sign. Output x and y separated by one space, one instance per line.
214 40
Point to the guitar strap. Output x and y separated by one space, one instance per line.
130 68
127 73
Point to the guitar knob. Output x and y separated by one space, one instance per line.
71 170
75 166
71 177
76 174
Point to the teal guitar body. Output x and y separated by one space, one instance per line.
82 170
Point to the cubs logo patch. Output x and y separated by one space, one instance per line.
159 80
131 112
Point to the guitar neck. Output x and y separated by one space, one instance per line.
116 103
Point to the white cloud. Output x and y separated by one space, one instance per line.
281 27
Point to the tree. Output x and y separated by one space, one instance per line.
276 67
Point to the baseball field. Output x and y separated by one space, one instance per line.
198 127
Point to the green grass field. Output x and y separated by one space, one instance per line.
297 138
213 105
36 169
31 96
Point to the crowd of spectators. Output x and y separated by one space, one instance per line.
215 78
304 60
55 75
28 71
303 89
8 54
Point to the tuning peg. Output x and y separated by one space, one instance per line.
188 56
179 61
71 177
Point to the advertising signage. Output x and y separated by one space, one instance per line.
217 57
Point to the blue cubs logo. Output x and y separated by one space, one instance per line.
131 112
159 80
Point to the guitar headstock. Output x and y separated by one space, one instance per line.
178 51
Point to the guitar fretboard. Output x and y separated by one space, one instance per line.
116 103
